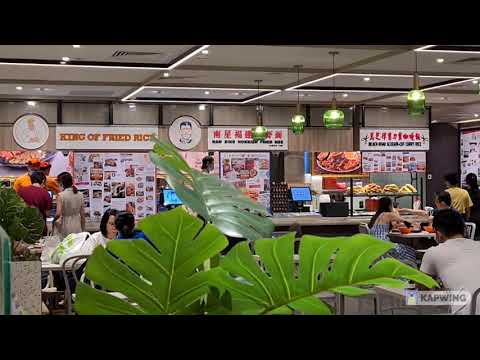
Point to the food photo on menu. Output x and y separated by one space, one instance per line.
107 199
130 189
140 200
118 190
149 197
149 188
130 171
140 193
107 187
149 179
96 174
111 163
97 194
340 162
131 207
109 175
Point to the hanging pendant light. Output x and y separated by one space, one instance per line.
416 97
333 118
298 120
259 132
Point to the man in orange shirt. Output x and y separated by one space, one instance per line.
35 165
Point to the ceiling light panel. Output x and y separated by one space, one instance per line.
182 94
93 56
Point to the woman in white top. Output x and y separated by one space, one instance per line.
107 232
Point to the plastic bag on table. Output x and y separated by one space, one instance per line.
72 245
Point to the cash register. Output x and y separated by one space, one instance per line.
170 199
299 197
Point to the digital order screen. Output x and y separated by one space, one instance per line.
301 194
170 198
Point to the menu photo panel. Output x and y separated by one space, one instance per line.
121 181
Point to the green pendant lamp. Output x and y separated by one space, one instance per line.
259 132
416 97
333 118
298 120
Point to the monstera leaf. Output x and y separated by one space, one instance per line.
340 265
160 276
216 201
21 222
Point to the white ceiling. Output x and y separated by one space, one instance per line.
238 66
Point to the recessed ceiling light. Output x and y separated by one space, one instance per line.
76 46
19 88
384 108
236 93
302 95
31 103
205 52
132 106
440 60
475 82
166 74
345 95
62 62
202 107
206 92
476 115
65 58
366 79
442 98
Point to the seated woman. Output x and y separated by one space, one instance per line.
380 226
108 231
125 224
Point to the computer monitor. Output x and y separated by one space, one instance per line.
301 194
170 198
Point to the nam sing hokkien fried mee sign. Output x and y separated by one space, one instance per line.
105 138
394 139
223 138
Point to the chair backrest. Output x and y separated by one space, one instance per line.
363 229
470 229
473 303
75 265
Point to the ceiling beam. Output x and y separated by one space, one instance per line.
249 69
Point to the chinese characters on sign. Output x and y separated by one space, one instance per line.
241 139
394 139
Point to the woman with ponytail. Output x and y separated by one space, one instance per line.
70 218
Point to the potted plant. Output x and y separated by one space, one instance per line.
171 274
24 226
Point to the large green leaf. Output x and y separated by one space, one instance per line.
343 265
161 276
22 223
216 201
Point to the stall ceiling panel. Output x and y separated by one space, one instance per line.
391 117
234 115
123 114
321 139
11 111
171 112
76 113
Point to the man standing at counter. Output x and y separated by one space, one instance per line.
460 199
37 165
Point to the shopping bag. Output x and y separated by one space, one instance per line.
50 244
72 245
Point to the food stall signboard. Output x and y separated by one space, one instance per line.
394 139
223 138
105 138
393 162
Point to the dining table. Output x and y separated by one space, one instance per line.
421 240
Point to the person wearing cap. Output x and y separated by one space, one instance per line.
37 165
